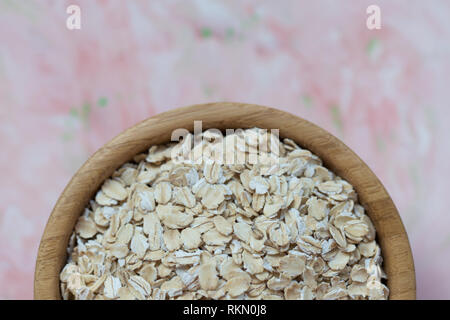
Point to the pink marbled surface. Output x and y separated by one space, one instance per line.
65 93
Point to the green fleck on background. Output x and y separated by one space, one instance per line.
206 32
229 33
373 48
102 102
307 101
336 118
381 144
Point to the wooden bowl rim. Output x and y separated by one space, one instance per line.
48 258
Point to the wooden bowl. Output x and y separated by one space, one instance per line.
398 261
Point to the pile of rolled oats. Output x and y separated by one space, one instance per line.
167 226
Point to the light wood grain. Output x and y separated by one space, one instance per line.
398 261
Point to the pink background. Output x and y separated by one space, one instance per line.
65 93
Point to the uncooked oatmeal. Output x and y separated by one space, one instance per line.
167 226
